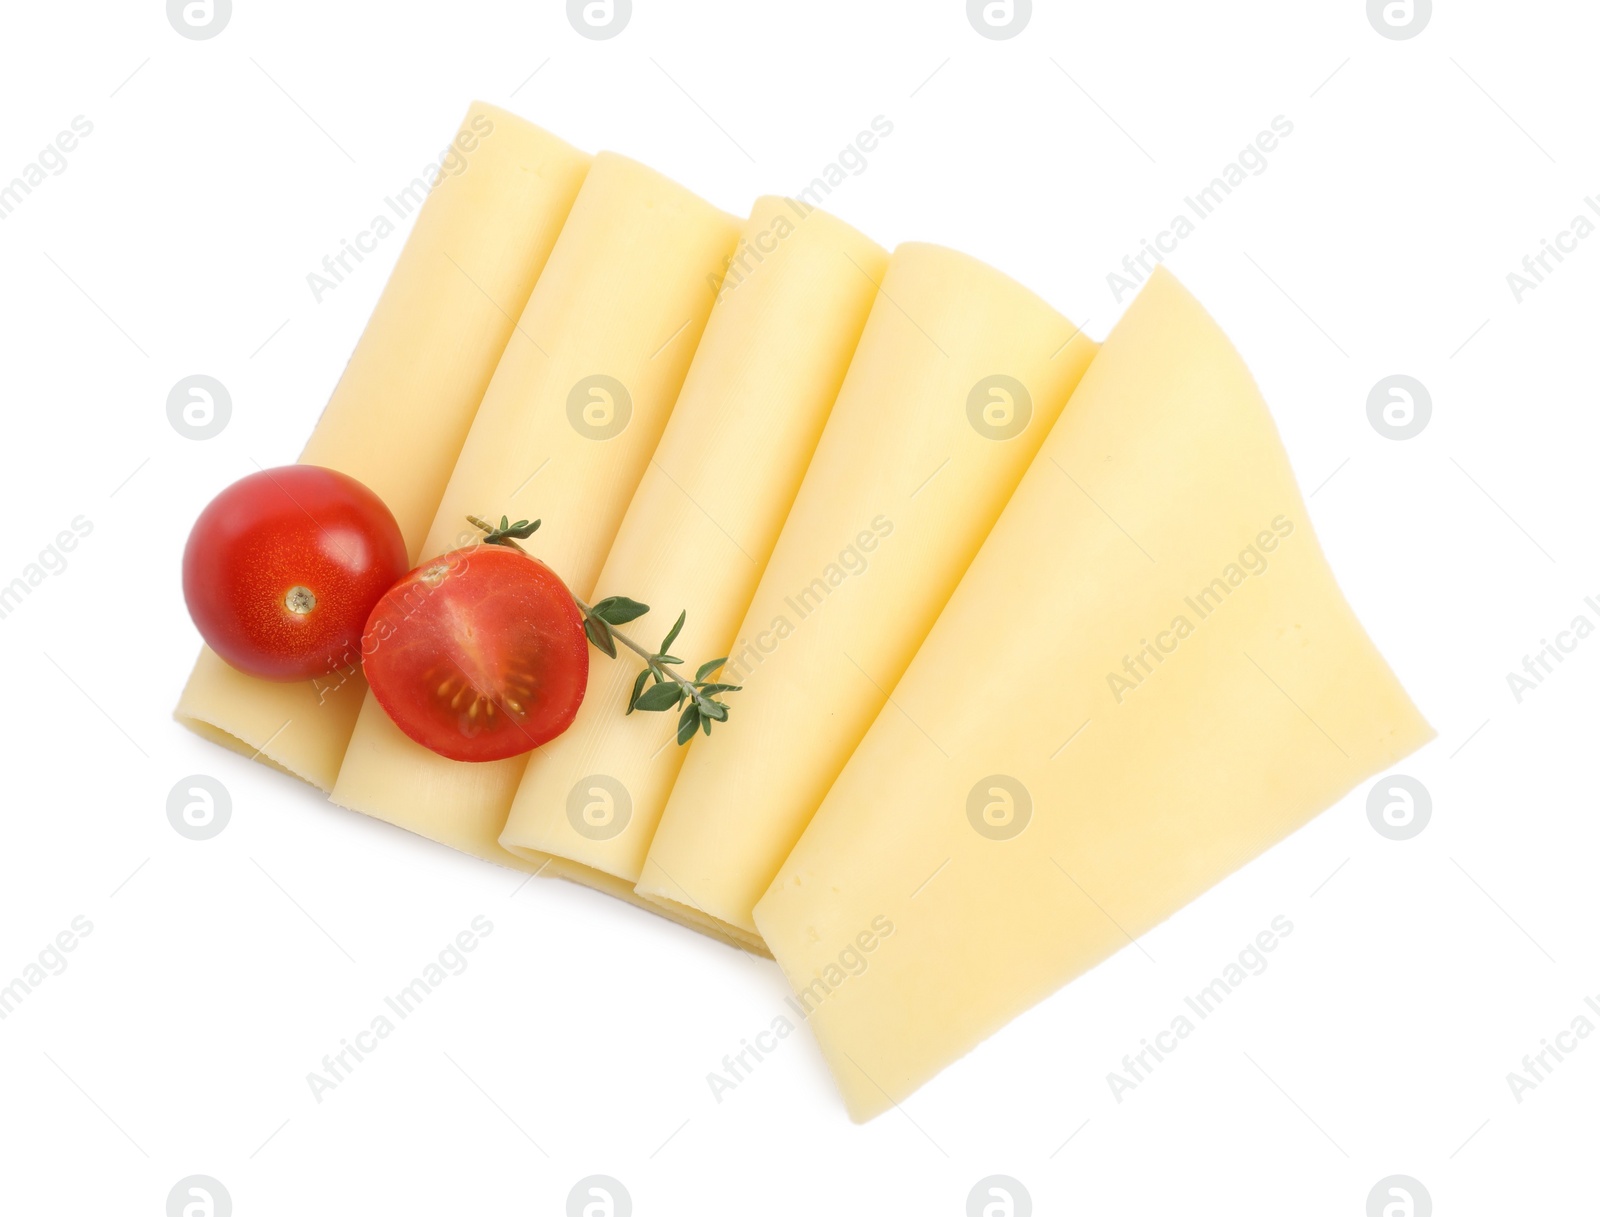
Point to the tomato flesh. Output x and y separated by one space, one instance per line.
283 567
479 655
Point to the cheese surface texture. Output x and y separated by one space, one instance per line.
1183 686
958 376
564 433
403 406
702 525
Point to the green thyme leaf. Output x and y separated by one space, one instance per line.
666 643
600 634
687 722
638 688
660 697
619 610
710 666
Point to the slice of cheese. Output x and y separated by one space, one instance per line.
959 375
1147 677
564 434
576 872
402 408
701 528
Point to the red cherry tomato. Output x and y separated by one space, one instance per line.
283 567
478 655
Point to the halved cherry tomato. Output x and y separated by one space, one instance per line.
478 655
283 567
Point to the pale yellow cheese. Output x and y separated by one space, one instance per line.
959 374
576 872
402 408
564 434
701 528
1147 677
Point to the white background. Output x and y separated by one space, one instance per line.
218 974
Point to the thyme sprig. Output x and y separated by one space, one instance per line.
520 531
659 686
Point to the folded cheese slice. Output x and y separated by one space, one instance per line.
401 410
701 527
959 375
564 433
1147 677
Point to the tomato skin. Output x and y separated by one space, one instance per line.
478 655
300 526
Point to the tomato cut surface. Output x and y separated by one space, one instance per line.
478 655
283 567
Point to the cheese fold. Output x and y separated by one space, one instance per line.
701 527
959 374
564 433
1147 677
401 410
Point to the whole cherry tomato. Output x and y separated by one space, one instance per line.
283 567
